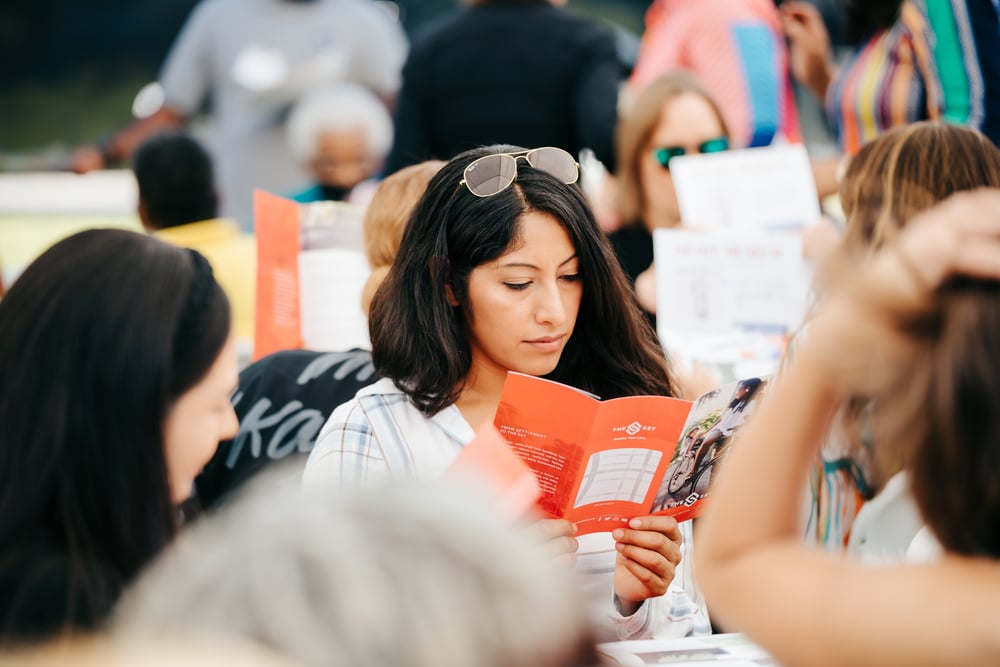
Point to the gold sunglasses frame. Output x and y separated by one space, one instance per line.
515 156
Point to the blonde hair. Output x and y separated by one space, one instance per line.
637 125
385 219
907 170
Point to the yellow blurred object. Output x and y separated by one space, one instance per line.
233 256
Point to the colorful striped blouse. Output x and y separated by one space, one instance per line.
939 61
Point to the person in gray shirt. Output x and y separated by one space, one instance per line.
250 60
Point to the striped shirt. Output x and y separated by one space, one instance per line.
381 435
934 63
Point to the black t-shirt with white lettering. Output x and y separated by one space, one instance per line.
282 402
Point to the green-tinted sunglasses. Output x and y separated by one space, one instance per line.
667 153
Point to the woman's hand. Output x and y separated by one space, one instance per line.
809 51
858 330
557 536
648 553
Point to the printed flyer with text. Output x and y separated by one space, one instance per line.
601 463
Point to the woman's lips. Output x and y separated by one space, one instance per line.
547 343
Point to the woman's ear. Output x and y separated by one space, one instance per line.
450 295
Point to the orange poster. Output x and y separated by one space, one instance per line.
601 463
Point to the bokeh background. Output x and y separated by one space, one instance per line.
70 69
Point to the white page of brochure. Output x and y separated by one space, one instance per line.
332 274
770 188
729 298
330 281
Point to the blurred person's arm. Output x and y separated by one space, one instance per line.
120 146
826 173
810 55
825 609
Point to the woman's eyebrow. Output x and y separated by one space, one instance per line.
568 259
529 265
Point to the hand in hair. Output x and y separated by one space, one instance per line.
649 551
862 326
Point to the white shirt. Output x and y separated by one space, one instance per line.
380 434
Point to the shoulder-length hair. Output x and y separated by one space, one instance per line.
637 125
98 337
421 342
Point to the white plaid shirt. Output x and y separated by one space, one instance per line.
380 434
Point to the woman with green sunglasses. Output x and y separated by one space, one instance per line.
672 116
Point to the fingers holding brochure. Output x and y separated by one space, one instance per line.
649 551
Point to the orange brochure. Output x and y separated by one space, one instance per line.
278 320
311 269
601 463
488 460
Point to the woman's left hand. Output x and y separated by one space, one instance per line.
648 553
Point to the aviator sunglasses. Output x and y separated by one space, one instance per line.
492 174
667 153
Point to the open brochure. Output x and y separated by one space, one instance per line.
601 463
310 272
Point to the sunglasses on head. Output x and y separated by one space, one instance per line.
492 174
667 153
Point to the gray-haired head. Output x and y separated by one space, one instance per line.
345 107
407 574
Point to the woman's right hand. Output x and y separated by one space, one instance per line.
858 330
809 52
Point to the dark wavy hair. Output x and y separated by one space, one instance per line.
98 337
421 342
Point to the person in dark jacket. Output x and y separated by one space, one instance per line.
523 72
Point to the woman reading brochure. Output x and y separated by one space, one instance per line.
503 267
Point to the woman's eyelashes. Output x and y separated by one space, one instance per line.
519 286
